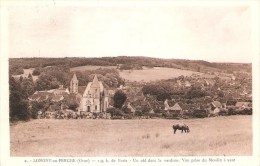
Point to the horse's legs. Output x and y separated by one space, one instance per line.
181 130
175 131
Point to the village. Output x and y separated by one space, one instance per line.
192 97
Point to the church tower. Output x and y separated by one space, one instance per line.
74 83
96 93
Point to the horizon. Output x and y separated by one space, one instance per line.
136 57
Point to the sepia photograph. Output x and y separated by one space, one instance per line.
131 80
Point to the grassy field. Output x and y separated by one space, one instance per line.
151 137
156 73
83 68
26 73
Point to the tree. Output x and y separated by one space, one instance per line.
114 112
46 81
16 70
37 71
73 106
18 105
27 87
119 99
195 93
37 106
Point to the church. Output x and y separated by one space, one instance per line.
94 98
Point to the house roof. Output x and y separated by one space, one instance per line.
57 98
81 89
216 104
231 103
241 104
53 107
176 107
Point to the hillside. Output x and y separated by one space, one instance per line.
193 65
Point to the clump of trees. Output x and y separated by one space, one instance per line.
18 102
195 93
16 70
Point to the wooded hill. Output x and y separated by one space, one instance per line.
15 64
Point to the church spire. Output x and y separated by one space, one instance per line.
74 84
95 81
74 77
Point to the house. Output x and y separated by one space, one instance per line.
57 98
132 109
139 105
208 82
40 96
243 105
176 109
215 107
187 84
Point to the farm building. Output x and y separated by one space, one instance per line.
215 107
176 108
243 105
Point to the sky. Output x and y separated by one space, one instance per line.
211 33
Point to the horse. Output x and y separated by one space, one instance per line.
181 127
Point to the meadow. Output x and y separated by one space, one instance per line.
216 136
145 75
26 74
89 67
153 74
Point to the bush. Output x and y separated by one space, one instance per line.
128 116
138 113
155 115
245 111
115 112
16 70
200 113
171 115
231 111
224 113
158 111
36 71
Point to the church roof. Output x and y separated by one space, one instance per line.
81 89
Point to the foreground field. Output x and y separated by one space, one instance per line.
152 137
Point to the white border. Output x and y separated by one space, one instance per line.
6 160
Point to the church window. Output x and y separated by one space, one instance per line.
95 107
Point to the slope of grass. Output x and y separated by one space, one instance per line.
153 137
152 74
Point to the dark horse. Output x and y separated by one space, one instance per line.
181 127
